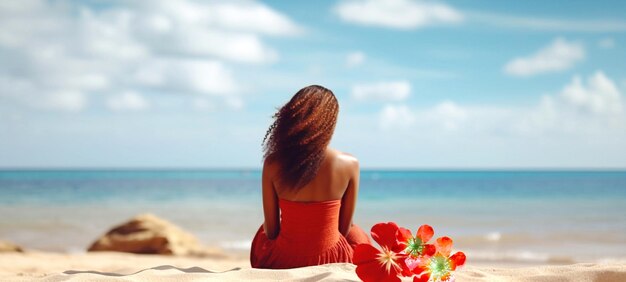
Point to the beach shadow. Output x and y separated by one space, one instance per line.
194 269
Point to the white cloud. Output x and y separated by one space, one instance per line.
559 55
355 59
70 101
395 116
381 91
85 82
203 76
176 47
578 109
25 93
404 14
109 34
242 16
206 77
127 101
606 43
254 17
236 47
556 132
230 31
600 95
448 114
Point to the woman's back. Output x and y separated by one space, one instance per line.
337 179
330 183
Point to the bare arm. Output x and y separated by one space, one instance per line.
348 201
271 224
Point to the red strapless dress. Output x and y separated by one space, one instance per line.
309 235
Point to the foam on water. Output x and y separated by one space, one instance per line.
493 236
240 245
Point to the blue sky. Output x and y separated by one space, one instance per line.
421 84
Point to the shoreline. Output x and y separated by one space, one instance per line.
503 222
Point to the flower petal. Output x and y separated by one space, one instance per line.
403 235
422 267
444 245
372 271
425 232
457 260
405 270
429 250
364 253
368 267
385 234
412 263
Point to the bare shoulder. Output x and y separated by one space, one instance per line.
345 159
270 166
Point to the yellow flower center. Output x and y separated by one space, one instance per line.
440 268
387 259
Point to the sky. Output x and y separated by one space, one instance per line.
421 84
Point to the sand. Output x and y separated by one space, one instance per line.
108 266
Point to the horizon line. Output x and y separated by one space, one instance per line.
244 168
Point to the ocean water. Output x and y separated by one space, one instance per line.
504 216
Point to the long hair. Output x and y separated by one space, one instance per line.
301 131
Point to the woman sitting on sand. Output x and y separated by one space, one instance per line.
309 189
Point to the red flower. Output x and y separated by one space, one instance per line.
381 265
440 266
416 248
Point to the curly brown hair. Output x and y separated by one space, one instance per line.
301 131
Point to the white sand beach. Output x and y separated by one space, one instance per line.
112 266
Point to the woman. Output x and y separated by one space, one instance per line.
309 189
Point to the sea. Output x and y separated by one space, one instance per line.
527 217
